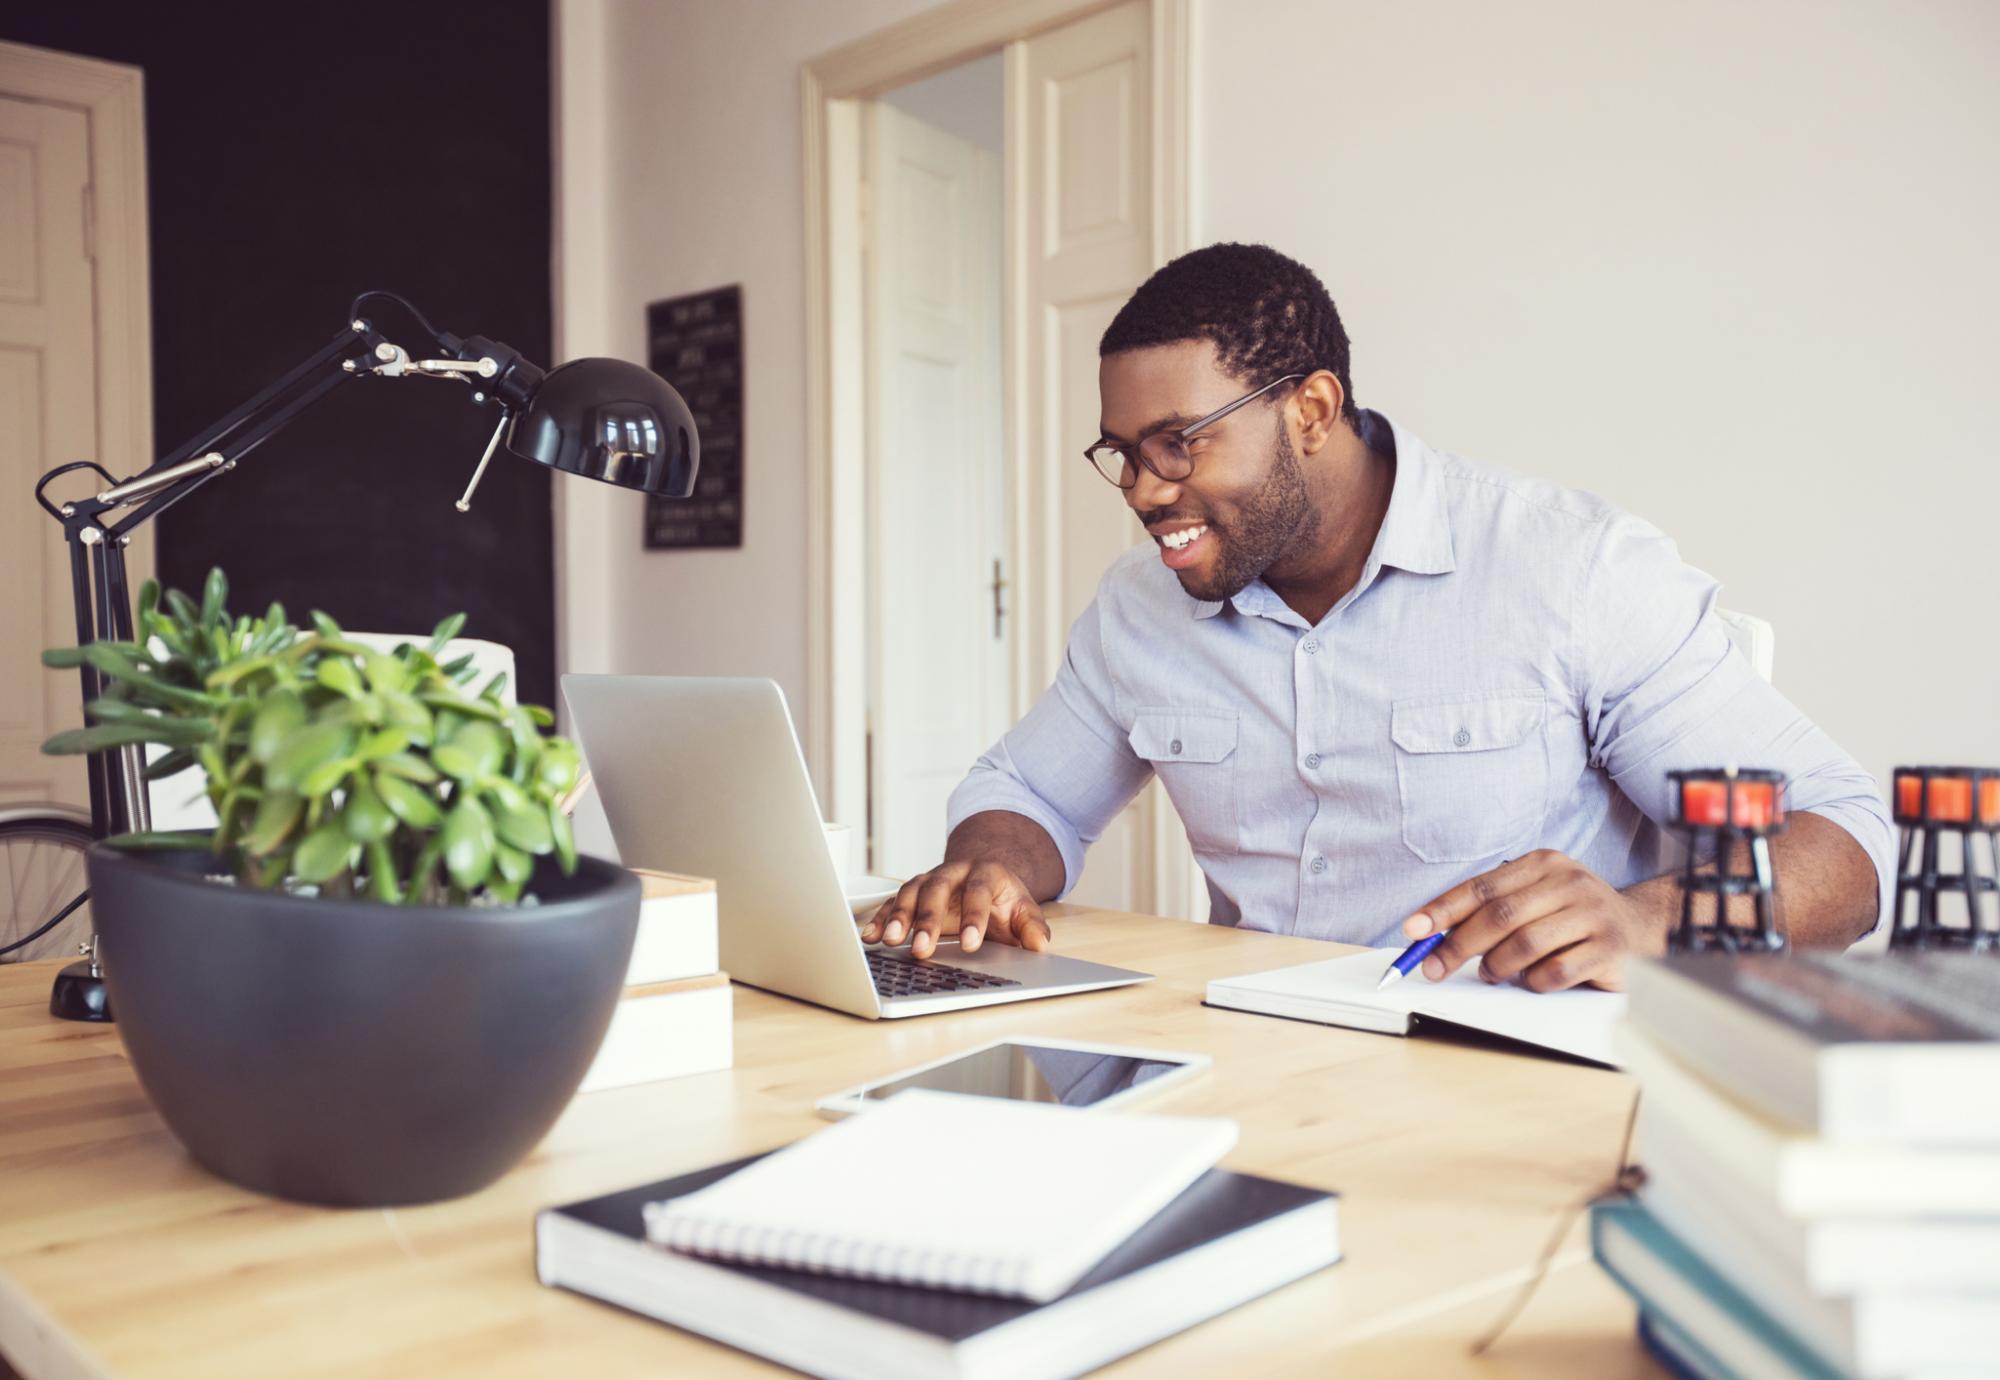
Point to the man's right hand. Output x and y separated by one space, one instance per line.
976 901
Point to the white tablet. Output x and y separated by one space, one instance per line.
1073 1072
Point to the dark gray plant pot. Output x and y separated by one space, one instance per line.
349 1052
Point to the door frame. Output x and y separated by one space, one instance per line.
111 96
832 88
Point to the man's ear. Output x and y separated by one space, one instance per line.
1319 400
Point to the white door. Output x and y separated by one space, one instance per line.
48 411
1080 112
938 692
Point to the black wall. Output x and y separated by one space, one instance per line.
297 154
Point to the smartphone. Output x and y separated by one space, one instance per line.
1071 1072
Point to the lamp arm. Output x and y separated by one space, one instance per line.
97 546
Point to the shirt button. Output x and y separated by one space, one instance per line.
1312 760
1309 646
1174 747
1319 864
1461 737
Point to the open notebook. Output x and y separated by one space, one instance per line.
1341 991
1041 1193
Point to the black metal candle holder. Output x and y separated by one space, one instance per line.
1726 807
1932 803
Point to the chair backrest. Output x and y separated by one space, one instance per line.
1755 638
181 802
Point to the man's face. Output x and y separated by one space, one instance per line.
1246 497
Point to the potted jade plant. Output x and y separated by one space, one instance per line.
383 973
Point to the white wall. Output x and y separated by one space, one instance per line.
678 121
1731 265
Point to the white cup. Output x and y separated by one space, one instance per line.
840 846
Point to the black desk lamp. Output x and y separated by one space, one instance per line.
601 418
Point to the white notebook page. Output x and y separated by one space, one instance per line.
1578 1021
951 1191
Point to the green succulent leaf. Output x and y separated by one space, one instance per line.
495 689
472 754
414 807
98 737
63 658
565 838
149 599
468 843
386 675
338 674
410 767
327 627
512 864
160 840
556 769
445 632
214 594
541 717
409 714
323 853
322 779
173 764
305 748
527 828
276 815
365 816
280 715
383 742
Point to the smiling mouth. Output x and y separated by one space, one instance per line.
1176 541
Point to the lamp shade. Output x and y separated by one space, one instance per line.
611 420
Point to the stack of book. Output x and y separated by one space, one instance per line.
1081 1236
674 1016
1820 1141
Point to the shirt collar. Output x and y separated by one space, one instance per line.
1415 534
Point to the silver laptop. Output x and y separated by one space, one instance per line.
705 776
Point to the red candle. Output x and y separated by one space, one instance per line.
1951 798
1706 802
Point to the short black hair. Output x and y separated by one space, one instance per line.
1266 314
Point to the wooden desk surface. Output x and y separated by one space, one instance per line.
120 1257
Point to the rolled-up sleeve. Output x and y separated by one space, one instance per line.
1666 690
1067 765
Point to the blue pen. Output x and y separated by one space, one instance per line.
1416 953
1411 957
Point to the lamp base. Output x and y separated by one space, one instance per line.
79 994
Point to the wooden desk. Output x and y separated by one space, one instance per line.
118 1256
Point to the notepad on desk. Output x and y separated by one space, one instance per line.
1341 991
1045 1192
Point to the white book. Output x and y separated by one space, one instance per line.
1836 1256
1058 1187
1804 1175
665 1030
678 935
1858 1047
1341 991
1873 1335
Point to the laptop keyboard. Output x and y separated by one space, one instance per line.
897 975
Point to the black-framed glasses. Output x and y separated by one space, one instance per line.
1165 453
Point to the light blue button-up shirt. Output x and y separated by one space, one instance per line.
1519 666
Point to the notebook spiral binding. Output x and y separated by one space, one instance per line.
792 1249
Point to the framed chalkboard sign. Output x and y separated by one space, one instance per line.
696 344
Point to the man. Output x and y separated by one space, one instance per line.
1388 690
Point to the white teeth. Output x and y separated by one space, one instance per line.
1174 541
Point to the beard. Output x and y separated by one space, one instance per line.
1264 527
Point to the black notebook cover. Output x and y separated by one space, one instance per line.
1218 1204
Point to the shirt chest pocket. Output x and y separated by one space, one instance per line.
1472 774
1194 752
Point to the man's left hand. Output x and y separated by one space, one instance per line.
1544 921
